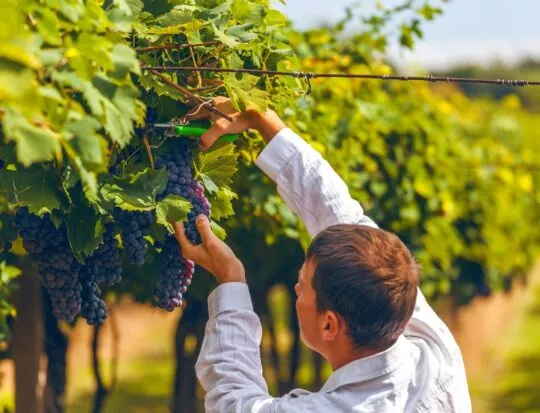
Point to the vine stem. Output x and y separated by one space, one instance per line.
193 98
199 79
149 151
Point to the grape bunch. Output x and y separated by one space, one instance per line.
200 205
93 309
103 266
178 163
49 247
176 271
135 226
175 275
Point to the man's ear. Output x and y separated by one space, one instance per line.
330 325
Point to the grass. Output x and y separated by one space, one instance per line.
513 384
143 386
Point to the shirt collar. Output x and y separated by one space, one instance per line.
370 367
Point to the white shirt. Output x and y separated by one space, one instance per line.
422 372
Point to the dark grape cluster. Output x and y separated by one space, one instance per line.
200 205
135 226
178 163
177 272
49 247
93 309
103 266
175 275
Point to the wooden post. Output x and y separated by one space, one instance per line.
27 343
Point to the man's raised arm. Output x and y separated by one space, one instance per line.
308 184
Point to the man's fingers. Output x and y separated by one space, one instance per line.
211 135
188 249
205 230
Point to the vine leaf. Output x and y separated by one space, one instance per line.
174 208
34 187
84 229
218 230
34 144
216 168
221 202
245 93
135 192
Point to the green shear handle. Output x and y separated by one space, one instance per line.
195 131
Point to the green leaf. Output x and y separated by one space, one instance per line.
217 167
49 26
34 144
218 230
178 16
244 92
34 187
84 229
96 48
125 60
129 7
119 128
72 10
20 53
221 202
91 147
224 38
135 192
91 94
178 28
14 83
174 208
242 32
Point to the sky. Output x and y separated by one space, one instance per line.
476 31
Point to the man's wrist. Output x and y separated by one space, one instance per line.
235 273
232 279
268 124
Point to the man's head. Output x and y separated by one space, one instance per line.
357 289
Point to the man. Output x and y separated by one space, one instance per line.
358 301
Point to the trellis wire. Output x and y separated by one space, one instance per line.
311 75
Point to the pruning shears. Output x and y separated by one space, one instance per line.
192 131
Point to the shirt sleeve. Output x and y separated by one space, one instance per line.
308 184
229 365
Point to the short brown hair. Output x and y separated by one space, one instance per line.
369 277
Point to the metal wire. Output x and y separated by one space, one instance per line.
310 75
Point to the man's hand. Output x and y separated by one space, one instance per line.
268 124
213 254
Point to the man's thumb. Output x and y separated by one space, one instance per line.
204 228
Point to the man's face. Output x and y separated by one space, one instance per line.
309 318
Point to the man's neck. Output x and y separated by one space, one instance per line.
341 357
